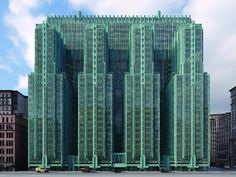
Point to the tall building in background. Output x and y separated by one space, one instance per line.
214 128
117 91
223 139
13 130
220 139
233 127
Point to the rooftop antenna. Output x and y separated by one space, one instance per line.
79 14
158 14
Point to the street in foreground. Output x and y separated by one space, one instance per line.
126 174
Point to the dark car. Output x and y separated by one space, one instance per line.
117 170
87 170
164 170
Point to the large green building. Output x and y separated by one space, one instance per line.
118 92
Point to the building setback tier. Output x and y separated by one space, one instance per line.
119 92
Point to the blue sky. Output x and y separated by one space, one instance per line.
18 19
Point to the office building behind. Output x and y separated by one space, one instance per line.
223 140
233 127
214 128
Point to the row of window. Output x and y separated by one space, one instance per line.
7 143
7 151
5 101
6 119
6 127
5 108
5 95
8 135
7 159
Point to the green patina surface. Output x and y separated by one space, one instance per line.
113 91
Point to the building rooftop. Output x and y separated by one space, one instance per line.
14 91
158 17
234 88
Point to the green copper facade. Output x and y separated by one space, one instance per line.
95 101
142 116
50 114
127 92
187 96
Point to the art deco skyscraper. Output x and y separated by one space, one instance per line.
117 91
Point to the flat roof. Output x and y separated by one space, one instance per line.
232 88
218 115
14 91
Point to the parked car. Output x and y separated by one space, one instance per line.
87 170
164 170
117 170
41 170
226 167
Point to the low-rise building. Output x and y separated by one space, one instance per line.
222 139
214 127
233 127
13 130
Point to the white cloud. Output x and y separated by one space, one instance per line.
21 22
22 83
127 7
12 57
6 68
219 26
217 17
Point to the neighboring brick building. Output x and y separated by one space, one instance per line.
223 137
13 130
233 127
214 126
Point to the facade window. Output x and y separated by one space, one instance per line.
2 158
9 151
2 135
9 127
9 159
1 126
9 134
9 142
1 143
